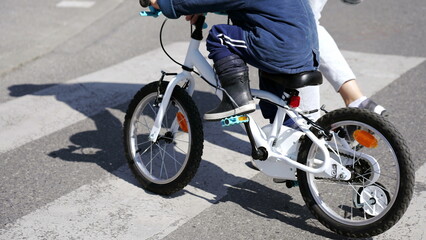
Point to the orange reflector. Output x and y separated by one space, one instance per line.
365 138
182 121
242 118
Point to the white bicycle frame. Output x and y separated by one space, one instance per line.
281 163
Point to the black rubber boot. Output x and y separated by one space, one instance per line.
233 75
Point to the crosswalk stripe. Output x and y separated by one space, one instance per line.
33 116
115 207
75 4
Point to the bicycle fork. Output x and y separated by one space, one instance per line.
165 101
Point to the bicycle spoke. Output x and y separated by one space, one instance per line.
141 123
147 141
176 139
166 153
163 166
146 150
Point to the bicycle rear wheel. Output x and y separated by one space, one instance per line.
167 165
382 174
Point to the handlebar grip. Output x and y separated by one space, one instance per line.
145 3
151 13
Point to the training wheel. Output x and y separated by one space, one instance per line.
373 199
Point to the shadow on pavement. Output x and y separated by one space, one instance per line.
103 146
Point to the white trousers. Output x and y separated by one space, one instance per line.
333 65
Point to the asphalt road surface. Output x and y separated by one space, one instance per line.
68 70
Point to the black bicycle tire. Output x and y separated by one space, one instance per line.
406 171
197 136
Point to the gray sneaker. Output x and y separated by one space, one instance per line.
374 107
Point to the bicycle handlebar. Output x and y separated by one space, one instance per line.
151 13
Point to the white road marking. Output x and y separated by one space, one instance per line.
50 36
114 207
33 116
75 4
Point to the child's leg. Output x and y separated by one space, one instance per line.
269 110
227 49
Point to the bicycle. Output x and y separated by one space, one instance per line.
353 167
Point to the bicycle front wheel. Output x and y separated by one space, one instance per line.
382 174
168 164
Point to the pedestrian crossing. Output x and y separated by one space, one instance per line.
115 207
75 4
76 99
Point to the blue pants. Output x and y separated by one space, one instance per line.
225 40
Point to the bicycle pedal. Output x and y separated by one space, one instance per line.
230 121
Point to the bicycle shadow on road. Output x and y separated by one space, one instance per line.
263 208
103 143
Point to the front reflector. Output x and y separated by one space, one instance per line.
182 121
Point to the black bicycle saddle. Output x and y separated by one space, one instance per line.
294 81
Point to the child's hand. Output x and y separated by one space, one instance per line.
193 18
155 4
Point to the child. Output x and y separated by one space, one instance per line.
276 36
